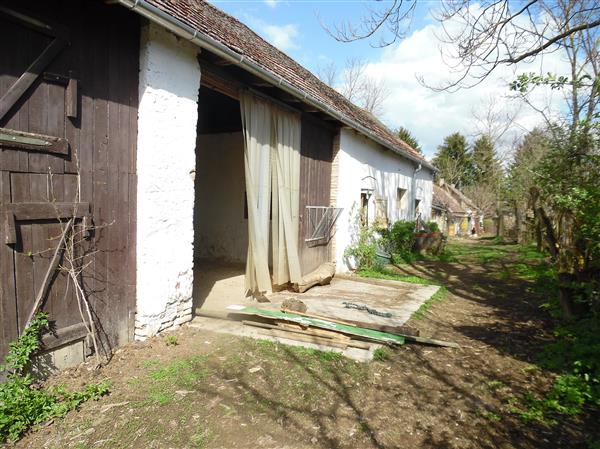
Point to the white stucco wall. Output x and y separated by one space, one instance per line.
169 83
222 230
362 163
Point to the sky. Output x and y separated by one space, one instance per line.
298 28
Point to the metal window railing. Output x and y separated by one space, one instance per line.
320 222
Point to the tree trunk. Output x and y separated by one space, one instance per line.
518 224
550 236
571 308
538 235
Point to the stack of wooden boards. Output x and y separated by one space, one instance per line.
305 334
323 330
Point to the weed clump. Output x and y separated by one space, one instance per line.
23 403
382 354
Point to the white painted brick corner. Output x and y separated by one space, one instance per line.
167 117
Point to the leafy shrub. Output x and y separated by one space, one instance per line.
431 227
576 354
404 257
399 239
22 403
364 251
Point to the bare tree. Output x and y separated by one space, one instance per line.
481 36
498 122
328 73
356 85
353 79
372 96
484 196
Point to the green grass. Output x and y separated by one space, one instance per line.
491 416
171 340
162 381
392 276
382 354
472 252
438 296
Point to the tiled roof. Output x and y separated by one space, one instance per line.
228 31
442 197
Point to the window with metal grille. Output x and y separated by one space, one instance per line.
319 223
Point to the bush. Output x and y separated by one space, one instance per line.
431 227
364 251
22 403
400 238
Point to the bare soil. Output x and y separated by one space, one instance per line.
217 391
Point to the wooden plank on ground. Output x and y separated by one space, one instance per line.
320 333
369 334
303 338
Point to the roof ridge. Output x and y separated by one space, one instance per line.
226 30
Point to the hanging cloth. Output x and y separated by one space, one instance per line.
272 168
257 126
286 196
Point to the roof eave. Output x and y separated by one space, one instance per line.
183 30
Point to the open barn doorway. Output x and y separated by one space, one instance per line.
220 211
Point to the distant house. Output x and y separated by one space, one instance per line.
455 214
198 151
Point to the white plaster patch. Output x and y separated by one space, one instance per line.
167 117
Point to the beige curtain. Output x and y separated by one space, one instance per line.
272 167
286 197
256 121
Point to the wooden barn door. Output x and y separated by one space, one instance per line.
36 193
315 187
46 138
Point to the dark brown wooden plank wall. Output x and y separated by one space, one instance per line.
315 184
103 55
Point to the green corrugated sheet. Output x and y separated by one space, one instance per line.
383 337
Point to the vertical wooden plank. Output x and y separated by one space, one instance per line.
40 246
73 124
38 123
23 269
8 309
56 123
114 148
99 93
9 60
71 98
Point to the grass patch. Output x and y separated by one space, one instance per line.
392 276
436 297
494 385
163 381
382 354
490 416
171 340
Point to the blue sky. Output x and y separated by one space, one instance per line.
294 26
308 42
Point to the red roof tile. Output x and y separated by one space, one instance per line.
228 31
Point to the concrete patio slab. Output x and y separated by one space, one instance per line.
401 299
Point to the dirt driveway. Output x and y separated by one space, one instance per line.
217 391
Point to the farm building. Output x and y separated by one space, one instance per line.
455 213
153 151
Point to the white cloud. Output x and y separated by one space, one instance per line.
284 37
272 3
281 36
431 115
